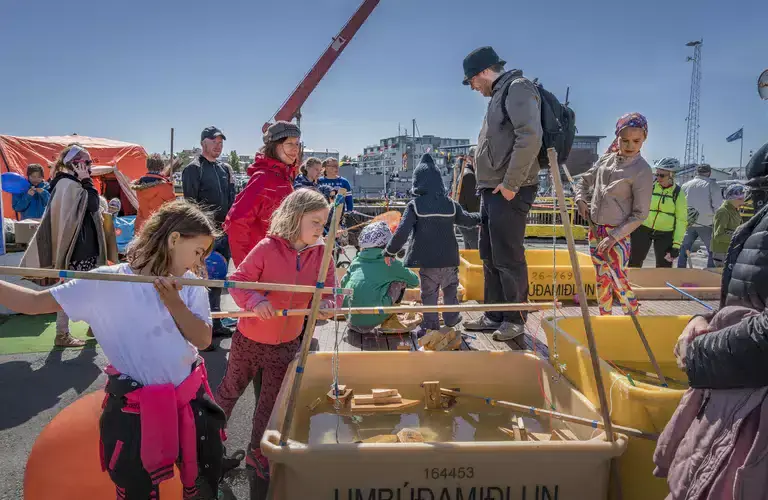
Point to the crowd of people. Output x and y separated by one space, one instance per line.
273 232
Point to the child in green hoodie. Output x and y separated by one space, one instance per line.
727 220
375 283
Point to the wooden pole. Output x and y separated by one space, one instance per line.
553 414
625 302
30 272
309 330
310 326
558 185
524 306
461 179
453 184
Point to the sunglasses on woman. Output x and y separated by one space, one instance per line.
87 163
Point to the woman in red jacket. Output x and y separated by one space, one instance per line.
264 345
271 180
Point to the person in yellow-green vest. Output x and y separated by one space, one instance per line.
667 219
727 220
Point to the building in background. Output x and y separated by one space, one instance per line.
386 168
321 154
584 153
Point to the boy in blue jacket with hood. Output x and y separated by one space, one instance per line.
429 219
31 204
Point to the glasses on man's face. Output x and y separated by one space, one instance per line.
662 176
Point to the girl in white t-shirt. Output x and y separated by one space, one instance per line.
158 405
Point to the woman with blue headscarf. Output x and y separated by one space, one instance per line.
620 187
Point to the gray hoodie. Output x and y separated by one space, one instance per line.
508 148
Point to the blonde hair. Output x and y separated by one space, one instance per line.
150 248
286 220
308 164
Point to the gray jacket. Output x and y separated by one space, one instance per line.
704 195
508 149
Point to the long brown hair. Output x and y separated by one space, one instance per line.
286 220
150 248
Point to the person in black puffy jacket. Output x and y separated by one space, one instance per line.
735 356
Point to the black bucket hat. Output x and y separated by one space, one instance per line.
479 60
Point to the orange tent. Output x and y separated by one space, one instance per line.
18 152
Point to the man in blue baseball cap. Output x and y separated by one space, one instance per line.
507 175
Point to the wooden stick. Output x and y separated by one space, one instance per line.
309 330
310 326
453 184
647 374
558 184
625 302
30 272
461 179
553 414
523 306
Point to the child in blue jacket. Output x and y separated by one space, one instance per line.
31 204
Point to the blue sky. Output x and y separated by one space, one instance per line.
131 71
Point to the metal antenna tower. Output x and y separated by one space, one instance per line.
692 152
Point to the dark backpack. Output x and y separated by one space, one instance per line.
558 122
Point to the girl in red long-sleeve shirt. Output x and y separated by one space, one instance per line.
264 345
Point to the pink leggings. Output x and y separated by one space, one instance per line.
246 359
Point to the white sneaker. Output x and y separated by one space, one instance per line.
508 331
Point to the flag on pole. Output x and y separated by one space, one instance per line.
739 134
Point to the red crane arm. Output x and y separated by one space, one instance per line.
300 94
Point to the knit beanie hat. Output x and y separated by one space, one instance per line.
375 235
735 192
281 130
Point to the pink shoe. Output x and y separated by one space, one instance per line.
255 460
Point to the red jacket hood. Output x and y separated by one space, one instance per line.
267 164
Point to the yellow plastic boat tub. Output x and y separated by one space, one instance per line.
644 406
650 283
439 470
540 274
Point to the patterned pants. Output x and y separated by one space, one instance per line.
62 320
610 268
248 360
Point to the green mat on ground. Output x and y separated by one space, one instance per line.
23 334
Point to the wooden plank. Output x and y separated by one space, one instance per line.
370 399
432 396
479 342
500 346
407 403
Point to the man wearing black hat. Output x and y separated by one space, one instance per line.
506 170
210 183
